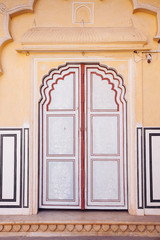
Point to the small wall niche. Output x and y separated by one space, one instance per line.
83 13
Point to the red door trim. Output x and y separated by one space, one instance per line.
82 139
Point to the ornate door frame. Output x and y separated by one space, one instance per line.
132 185
88 157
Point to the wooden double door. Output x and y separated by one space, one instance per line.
82 143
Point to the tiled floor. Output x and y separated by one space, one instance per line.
65 216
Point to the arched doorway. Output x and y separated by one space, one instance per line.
82 148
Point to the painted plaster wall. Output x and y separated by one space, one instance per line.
16 66
151 96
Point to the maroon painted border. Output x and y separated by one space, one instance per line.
82 139
91 94
53 88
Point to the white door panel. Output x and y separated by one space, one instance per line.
60 154
105 140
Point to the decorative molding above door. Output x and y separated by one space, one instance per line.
18 9
82 38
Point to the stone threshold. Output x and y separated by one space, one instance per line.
80 223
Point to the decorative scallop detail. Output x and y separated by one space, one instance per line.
118 229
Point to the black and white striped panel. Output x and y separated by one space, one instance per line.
10 168
14 168
140 168
152 167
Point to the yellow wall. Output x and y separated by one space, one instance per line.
15 82
151 91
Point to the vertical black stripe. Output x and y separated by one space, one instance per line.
150 165
138 167
142 171
1 165
139 174
145 179
26 206
20 198
15 167
28 173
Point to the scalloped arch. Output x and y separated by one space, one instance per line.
15 10
148 7
116 81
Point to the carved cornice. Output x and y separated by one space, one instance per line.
82 38
105 229
148 7
83 35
